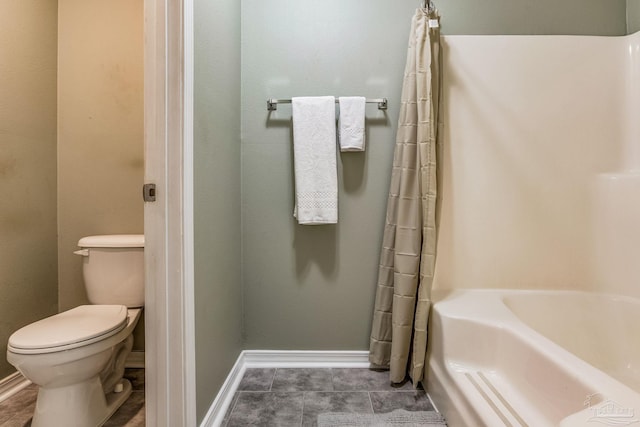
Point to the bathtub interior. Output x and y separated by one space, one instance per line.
487 367
539 190
599 329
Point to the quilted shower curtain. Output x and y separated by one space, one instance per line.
407 259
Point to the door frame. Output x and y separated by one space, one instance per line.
168 222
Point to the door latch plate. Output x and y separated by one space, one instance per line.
149 192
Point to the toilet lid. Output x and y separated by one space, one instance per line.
83 324
113 241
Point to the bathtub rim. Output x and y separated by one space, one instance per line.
449 397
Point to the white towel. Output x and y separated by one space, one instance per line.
351 123
314 159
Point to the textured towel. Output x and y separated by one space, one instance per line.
314 160
351 123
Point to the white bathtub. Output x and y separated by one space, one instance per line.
535 358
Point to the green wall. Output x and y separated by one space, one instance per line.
218 303
583 17
314 287
303 287
633 16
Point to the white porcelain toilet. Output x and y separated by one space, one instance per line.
77 357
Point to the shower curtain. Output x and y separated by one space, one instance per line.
407 259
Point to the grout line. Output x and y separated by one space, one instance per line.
371 402
230 410
273 378
304 399
333 387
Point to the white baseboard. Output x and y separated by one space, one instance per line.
11 385
305 359
135 359
277 359
221 403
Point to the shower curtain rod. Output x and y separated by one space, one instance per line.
427 4
272 104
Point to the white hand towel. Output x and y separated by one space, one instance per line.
314 159
351 123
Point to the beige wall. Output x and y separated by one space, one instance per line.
218 288
100 129
540 170
616 192
28 264
100 141
313 287
521 153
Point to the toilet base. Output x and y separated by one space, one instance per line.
78 405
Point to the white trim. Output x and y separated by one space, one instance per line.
305 359
217 410
169 331
188 222
277 359
12 384
435 408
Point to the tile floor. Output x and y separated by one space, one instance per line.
295 397
265 397
18 409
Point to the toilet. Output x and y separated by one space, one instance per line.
77 357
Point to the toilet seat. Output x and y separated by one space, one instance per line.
73 328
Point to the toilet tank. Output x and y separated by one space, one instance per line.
113 269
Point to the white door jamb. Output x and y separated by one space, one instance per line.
169 335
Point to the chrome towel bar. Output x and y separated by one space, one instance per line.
272 104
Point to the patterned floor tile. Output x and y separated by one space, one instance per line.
130 413
257 380
307 379
268 409
387 401
136 377
318 402
232 405
18 409
365 380
19 420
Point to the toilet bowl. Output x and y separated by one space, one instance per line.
77 357
68 366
